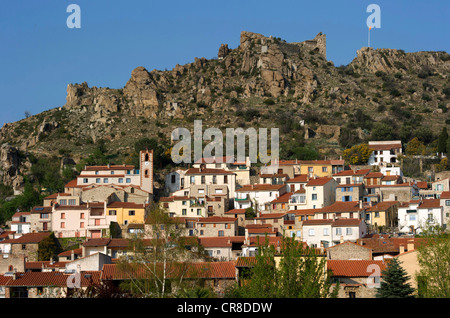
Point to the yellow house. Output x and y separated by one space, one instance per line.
321 168
127 212
382 214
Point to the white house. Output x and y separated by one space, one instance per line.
329 232
20 223
384 152
258 196
415 215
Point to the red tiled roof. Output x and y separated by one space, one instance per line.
339 206
382 206
111 167
271 216
445 195
283 199
346 222
260 187
318 222
319 181
354 268
206 270
235 211
30 238
207 171
374 175
97 242
223 241
45 264
41 209
393 145
117 204
217 219
52 279
430 204
422 185
301 178
360 172
78 251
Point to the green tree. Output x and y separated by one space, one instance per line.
442 141
49 248
395 282
434 261
300 273
161 258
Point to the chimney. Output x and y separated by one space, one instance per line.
360 204
341 239
410 245
401 249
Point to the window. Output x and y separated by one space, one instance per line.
24 246
338 180
201 232
325 231
82 225
183 202
447 202
338 231
310 169
131 212
85 180
112 212
199 211
72 201
311 232
201 191
192 179
324 169
225 179
120 180
81 215
184 212
412 217
221 233
172 178
214 180
97 180
63 225
63 202
349 231
112 172
377 214
128 180
105 180
63 215
97 222
44 215
314 197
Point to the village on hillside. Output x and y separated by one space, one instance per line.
355 218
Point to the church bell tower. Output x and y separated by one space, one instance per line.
146 170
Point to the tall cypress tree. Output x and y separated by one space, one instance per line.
394 284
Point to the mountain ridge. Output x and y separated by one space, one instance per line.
264 82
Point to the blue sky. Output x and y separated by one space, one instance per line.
40 55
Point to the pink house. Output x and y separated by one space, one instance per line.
82 220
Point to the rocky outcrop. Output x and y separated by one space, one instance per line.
392 61
141 93
10 167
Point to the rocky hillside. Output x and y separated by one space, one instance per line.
264 82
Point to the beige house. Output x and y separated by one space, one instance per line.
320 192
228 163
41 219
411 265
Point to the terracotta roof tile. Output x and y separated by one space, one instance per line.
319 181
52 279
260 187
353 268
